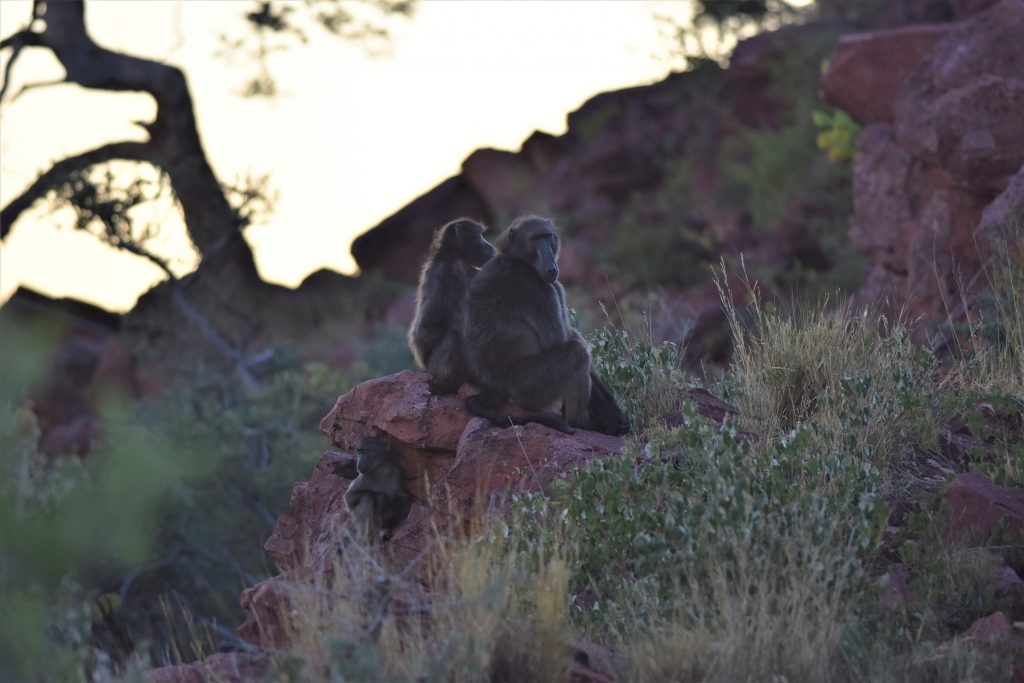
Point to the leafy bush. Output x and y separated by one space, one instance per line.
696 536
643 375
838 134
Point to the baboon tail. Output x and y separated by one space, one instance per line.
482 406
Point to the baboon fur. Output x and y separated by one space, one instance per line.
377 499
436 333
521 346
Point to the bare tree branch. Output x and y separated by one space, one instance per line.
17 42
33 86
61 170
194 316
174 144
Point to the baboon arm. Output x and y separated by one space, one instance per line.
558 373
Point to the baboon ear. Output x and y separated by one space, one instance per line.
506 237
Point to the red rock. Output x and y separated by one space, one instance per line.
454 466
866 70
974 131
995 627
961 107
424 428
74 437
225 667
269 604
920 186
996 217
300 525
978 508
1009 585
883 204
494 460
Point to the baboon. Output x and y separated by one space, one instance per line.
520 344
436 333
377 498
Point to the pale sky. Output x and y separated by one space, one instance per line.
350 140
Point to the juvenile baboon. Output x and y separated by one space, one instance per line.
520 344
377 499
436 333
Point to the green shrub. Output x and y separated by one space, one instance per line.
670 513
643 375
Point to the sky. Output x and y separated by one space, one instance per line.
350 139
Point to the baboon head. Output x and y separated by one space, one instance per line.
463 239
533 240
371 453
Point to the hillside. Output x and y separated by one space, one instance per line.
802 275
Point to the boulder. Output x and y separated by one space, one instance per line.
1007 207
993 628
983 512
921 184
455 467
961 107
223 667
866 70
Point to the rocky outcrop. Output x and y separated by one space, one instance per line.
455 467
945 139
876 63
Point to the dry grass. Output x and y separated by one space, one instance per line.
852 375
750 622
470 611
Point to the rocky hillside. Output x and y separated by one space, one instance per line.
457 468
853 507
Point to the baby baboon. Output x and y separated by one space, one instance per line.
377 498
436 334
520 344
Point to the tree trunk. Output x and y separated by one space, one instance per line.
173 146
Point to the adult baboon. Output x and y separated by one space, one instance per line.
522 348
377 499
436 333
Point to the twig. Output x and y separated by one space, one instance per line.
61 170
32 86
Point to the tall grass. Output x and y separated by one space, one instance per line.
479 612
854 376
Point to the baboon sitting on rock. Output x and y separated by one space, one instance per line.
521 347
436 334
